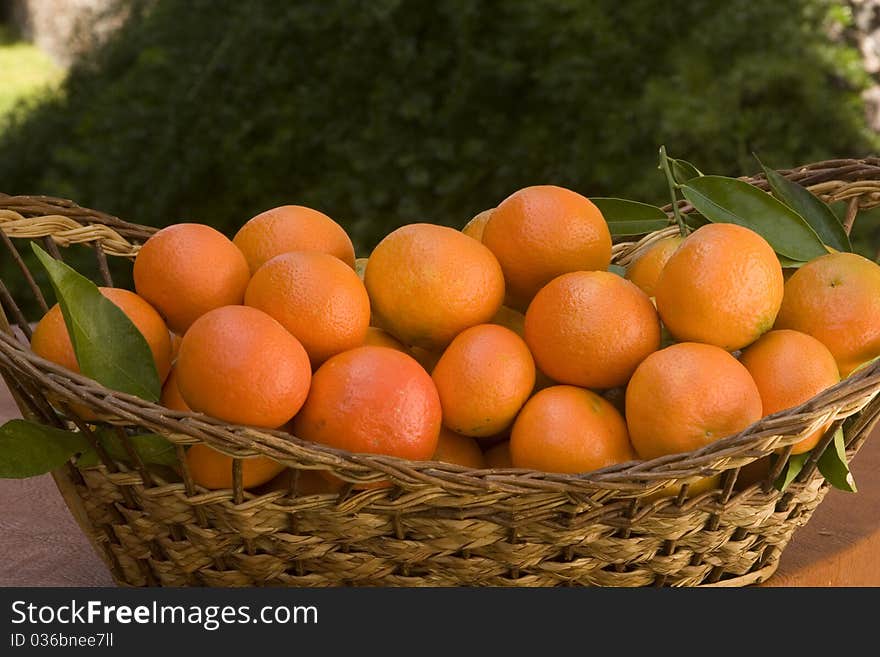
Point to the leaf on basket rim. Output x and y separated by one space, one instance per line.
682 170
791 470
108 346
28 449
833 466
152 448
814 210
627 218
730 200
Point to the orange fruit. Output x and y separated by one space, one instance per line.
360 267
686 396
376 337
315 482
722 286
475 227
646 269
239 365
483 378
790 367
51 340
213 470
171 397
372 400
308 482
591 329
696 486
186 270
516 322
570 430
541 232
461 450
498 456
836 299
316 297
428 283
292 228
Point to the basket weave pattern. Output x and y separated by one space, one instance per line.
437 524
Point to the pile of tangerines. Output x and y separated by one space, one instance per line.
506 344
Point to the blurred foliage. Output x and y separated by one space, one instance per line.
393 111
25 71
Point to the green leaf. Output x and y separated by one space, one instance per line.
152 448
28 449
839 210
728 200
694 220
617 269
634 228
816 213
108 346
682 170
627 218
787 263
88 459
790 470
833 466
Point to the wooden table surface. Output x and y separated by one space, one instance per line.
43 546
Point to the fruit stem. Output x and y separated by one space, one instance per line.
670 181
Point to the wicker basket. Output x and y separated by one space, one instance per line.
437 524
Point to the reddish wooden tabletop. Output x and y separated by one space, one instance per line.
43 546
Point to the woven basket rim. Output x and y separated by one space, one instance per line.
755 441
668 467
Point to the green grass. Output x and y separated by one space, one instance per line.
25 72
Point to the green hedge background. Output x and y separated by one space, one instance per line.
391 111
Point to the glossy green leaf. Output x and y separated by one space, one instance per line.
791 470
28 449
816 213
682 170
108 346
627 218
728 200
833 466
